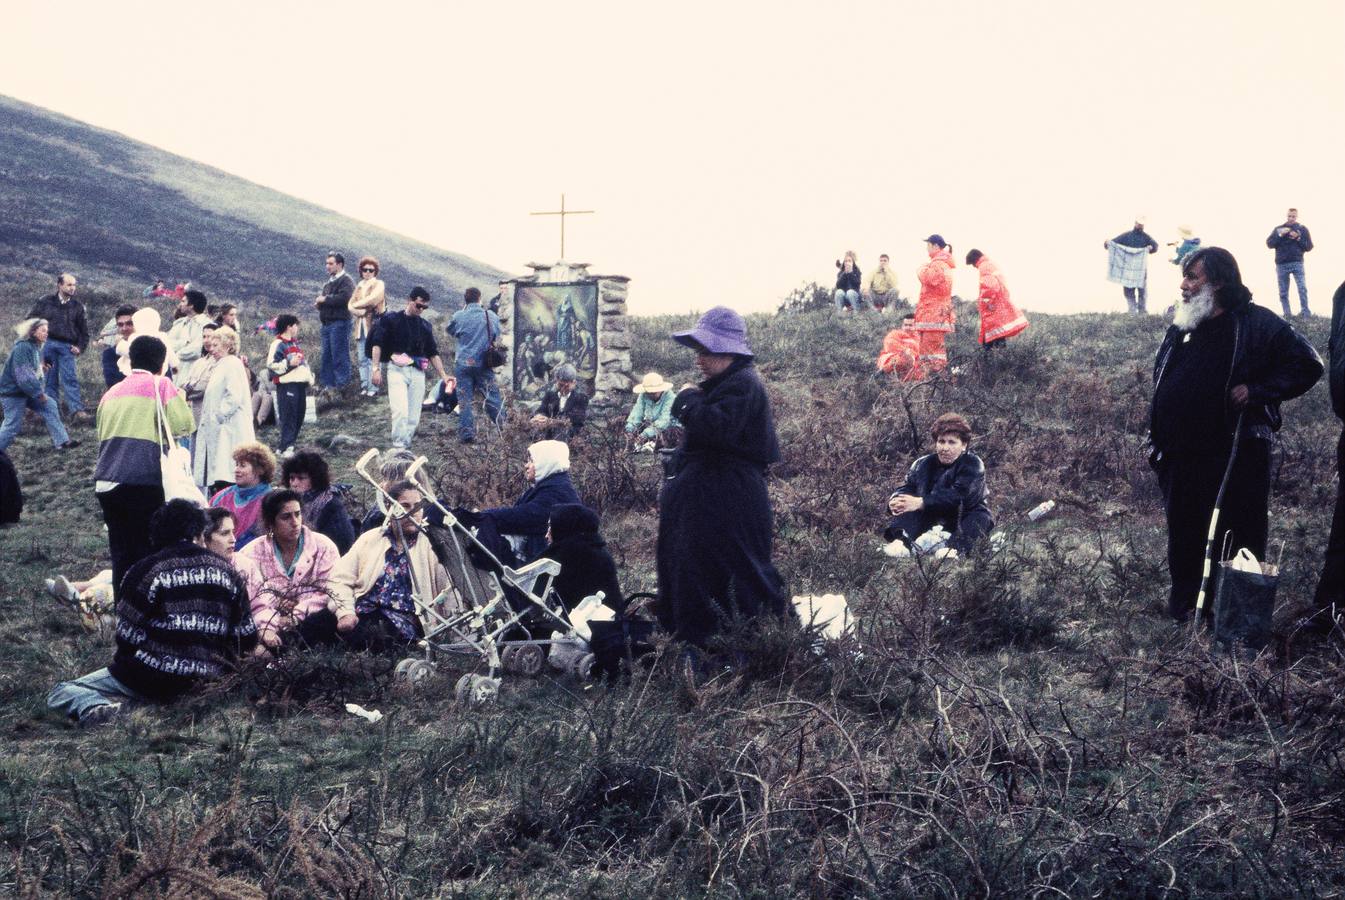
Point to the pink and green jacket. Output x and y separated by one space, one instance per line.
129 447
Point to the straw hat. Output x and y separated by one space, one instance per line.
653 383
1185 231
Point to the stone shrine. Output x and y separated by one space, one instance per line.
562 314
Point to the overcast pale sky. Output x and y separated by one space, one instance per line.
734 150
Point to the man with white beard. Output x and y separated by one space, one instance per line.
1221 373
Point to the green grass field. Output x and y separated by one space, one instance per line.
1024 724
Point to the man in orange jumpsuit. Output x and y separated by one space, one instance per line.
901 349
934 311
1000 319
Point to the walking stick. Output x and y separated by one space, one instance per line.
1214 524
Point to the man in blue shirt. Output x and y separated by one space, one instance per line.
475 329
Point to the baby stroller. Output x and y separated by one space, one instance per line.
504 618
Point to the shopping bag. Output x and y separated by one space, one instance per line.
1244 601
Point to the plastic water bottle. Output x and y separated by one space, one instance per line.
1041 510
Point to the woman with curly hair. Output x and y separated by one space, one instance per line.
286 569
367 303
944 488
307 474
254 467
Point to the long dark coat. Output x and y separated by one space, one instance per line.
715 522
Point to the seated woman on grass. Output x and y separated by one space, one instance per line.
286 570
946 487
254 467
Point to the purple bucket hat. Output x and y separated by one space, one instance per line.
720 330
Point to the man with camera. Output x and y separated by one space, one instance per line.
1290 241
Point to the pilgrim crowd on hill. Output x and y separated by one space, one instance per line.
223 547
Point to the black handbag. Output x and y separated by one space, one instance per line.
494 356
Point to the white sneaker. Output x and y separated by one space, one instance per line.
897 549
287 452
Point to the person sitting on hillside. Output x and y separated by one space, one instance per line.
848 283
585 565
375 586
182 619
308 475
944 488
900 355
517 534
564 408
286 570
651 419
254 467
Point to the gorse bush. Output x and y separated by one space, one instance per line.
1021 722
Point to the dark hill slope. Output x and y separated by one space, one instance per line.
76 196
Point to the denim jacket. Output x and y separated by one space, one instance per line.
469 327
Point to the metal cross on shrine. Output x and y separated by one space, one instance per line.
563 212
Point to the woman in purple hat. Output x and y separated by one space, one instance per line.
715 522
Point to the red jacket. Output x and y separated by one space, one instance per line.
999 317
934 310
901 349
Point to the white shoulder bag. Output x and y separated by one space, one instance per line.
174 460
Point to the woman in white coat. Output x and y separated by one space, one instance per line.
226 413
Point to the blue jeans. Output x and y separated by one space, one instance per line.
77 698
62 370
470 379
840 298
335 371
1282 272
406 391
366 366
14 407
1136 298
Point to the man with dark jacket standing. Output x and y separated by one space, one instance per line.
1331 589
1290 241
334 314
1223 369
67 338
405 341
1130 267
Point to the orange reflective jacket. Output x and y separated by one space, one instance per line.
900 349
999 317
934 311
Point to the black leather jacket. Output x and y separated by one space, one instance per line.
1269 356
948 491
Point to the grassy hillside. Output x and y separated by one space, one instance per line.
118 211
1025 723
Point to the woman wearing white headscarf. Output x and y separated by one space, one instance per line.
523 525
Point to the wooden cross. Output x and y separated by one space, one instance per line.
563 212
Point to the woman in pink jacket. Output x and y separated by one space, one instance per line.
286 570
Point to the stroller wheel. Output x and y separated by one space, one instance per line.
476 690
583 666
401 668
418 671
525 660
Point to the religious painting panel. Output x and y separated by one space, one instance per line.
554 324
